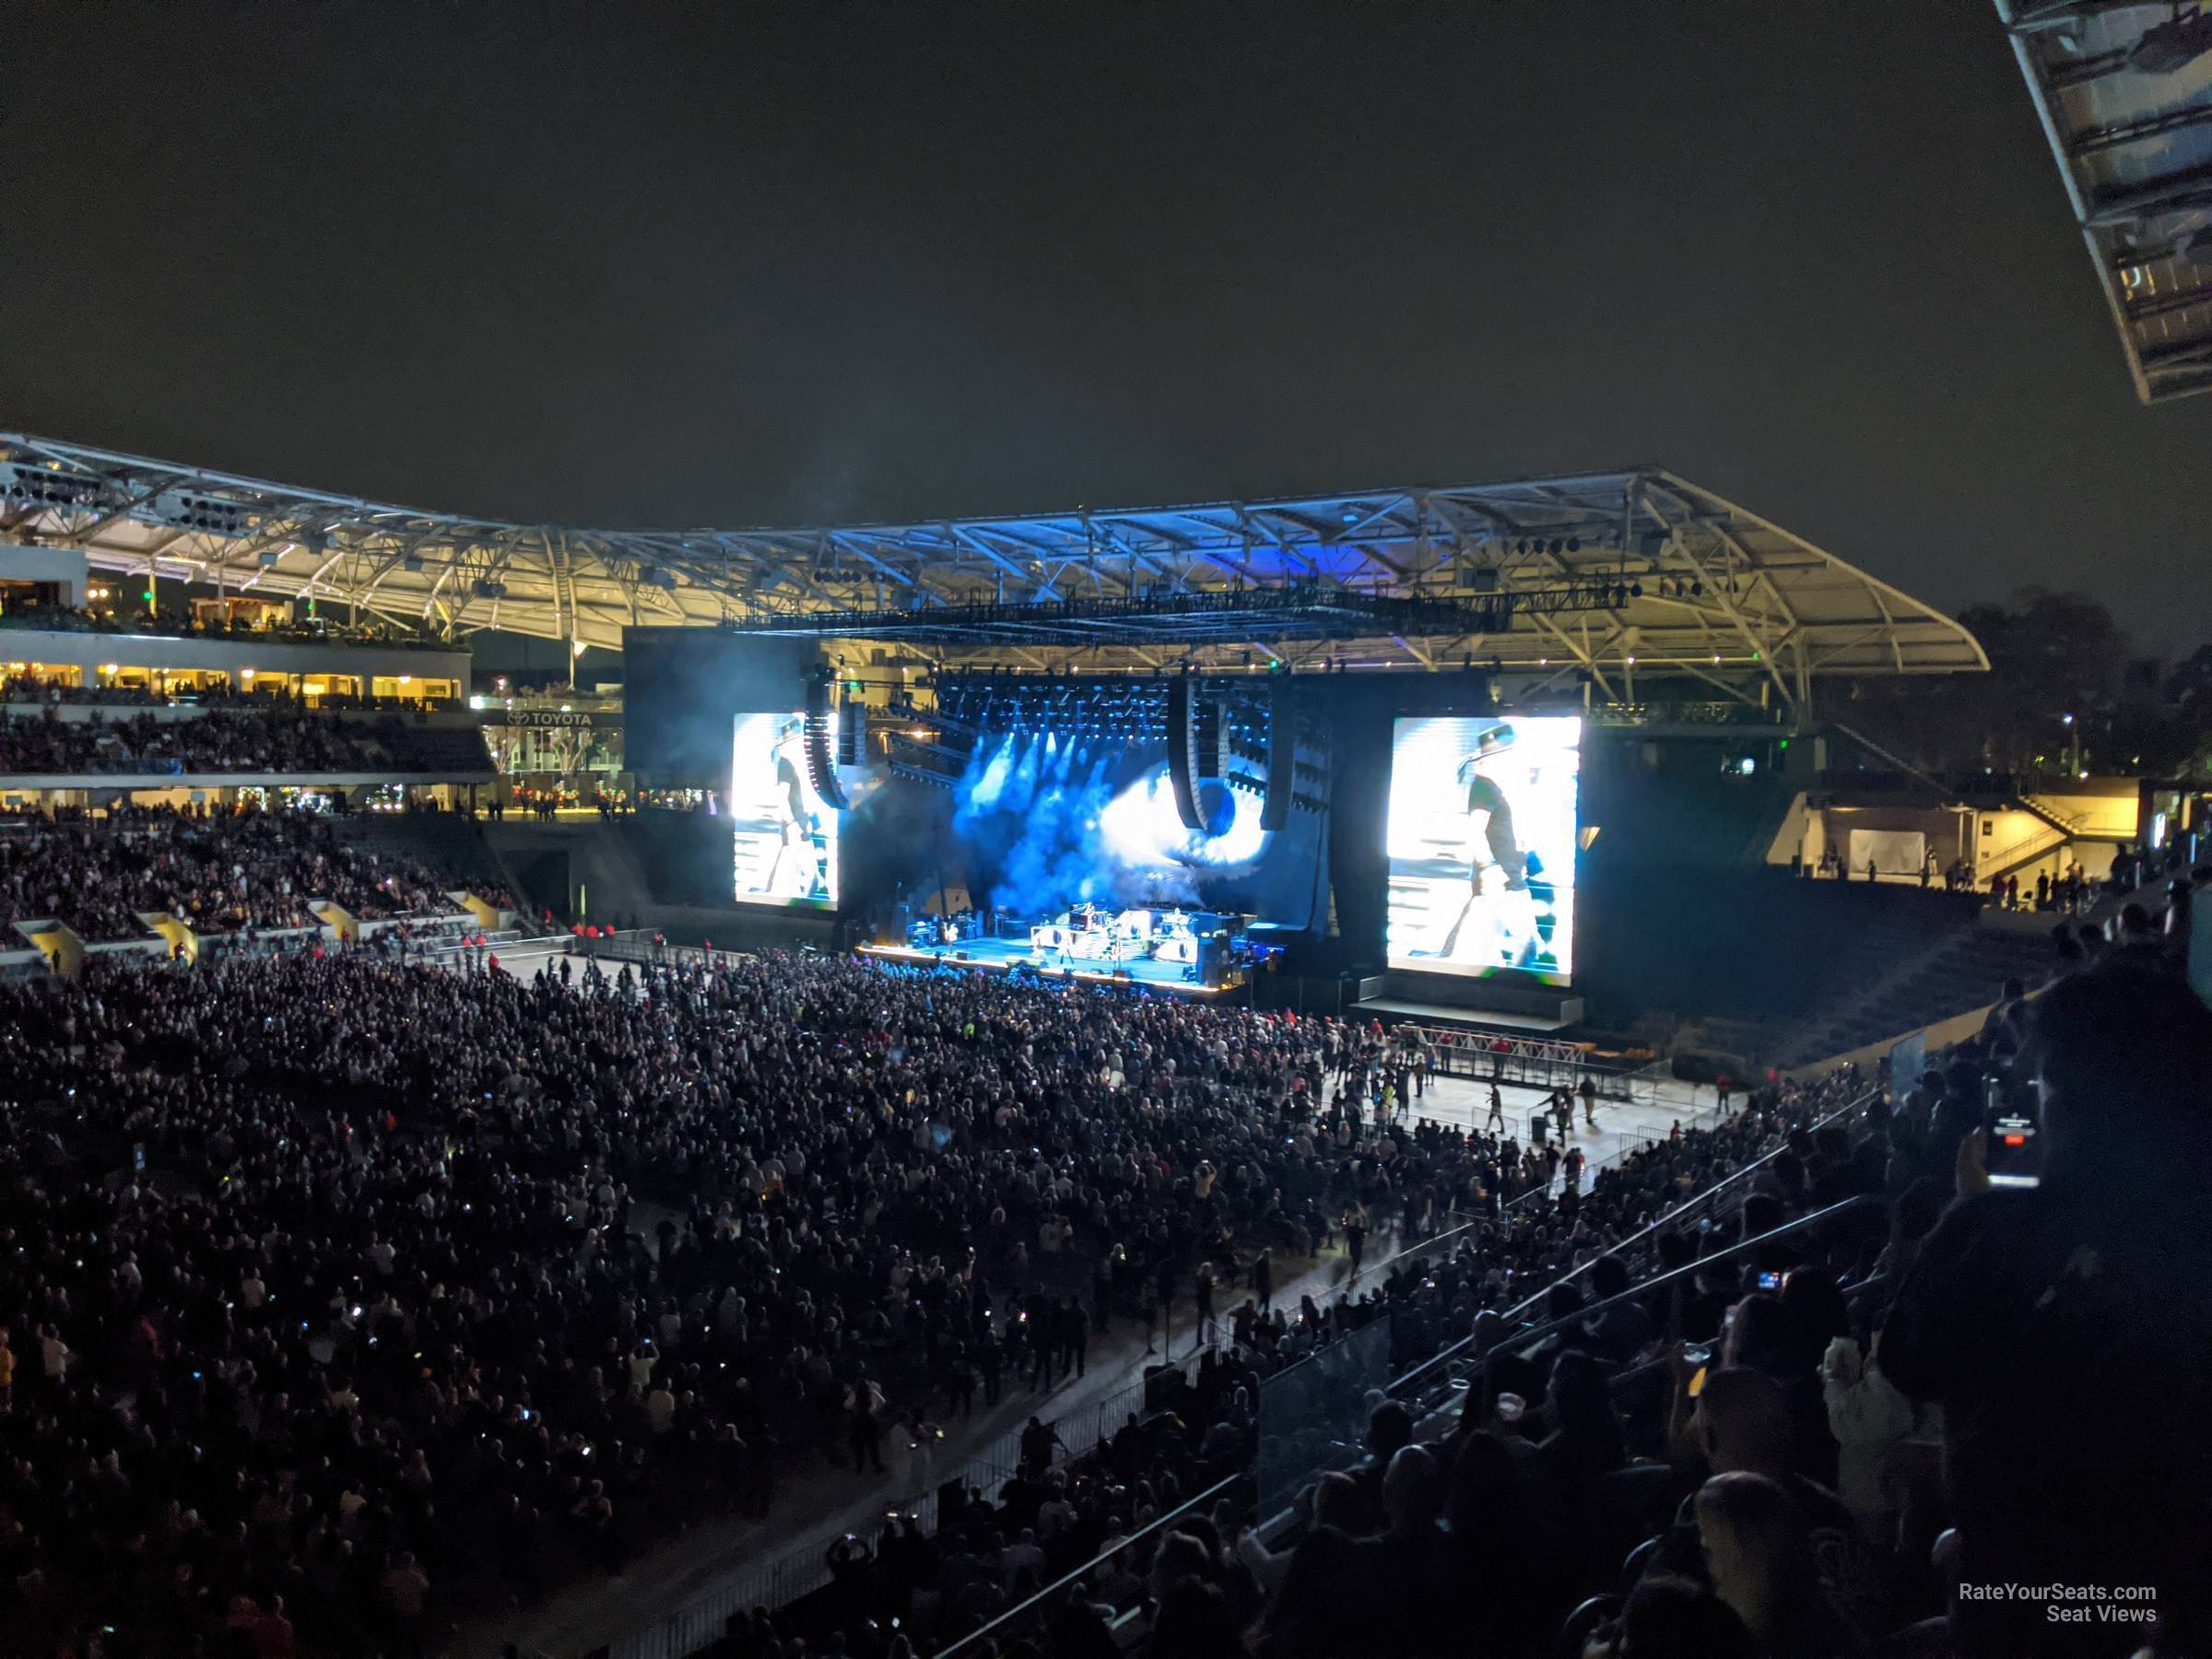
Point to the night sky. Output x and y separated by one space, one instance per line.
622 265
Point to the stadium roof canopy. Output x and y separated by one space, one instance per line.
1616 574
2124 90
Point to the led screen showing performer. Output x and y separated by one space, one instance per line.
785 838
1482 834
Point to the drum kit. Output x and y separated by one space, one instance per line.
933 932
1090 933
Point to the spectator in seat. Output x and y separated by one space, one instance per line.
1622 1331
1494 1548
1193 1623
2066 1329
1317 1614
1744 1425
1871 1422
1389 1429
2005 1024
1399 1568
1669 1618
1586 1440
1330 1504
1180 1558
1911 1219
407 1590
1760 1552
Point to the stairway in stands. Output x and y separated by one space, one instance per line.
446 842
1873 959
1952 975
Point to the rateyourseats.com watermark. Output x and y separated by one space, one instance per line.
2074 1604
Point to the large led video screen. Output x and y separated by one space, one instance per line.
1481 834
1059 819
784 836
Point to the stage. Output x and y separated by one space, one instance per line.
1003 956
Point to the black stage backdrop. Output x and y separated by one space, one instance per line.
682 687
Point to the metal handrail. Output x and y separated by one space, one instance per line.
1673 1215
1521 1339
1708 1196
1513 1340
2035 800
1378 1269
1635 1292
2050 835
968 1642
1467 1040
1446 1356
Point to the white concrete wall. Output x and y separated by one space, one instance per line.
63 565
2111 808
1998 835
1795 836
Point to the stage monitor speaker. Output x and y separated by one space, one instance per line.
1182 731
1282 755
819 717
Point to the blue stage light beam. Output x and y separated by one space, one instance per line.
1024 787
992 783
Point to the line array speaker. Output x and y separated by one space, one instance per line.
1182 738
1282 755
820 716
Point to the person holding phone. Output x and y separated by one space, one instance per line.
2065 1328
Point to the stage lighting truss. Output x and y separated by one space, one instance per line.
1114 709
1310 791
941 765
1245 782
1190 616
933 745
1244 728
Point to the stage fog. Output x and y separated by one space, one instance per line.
1040 822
